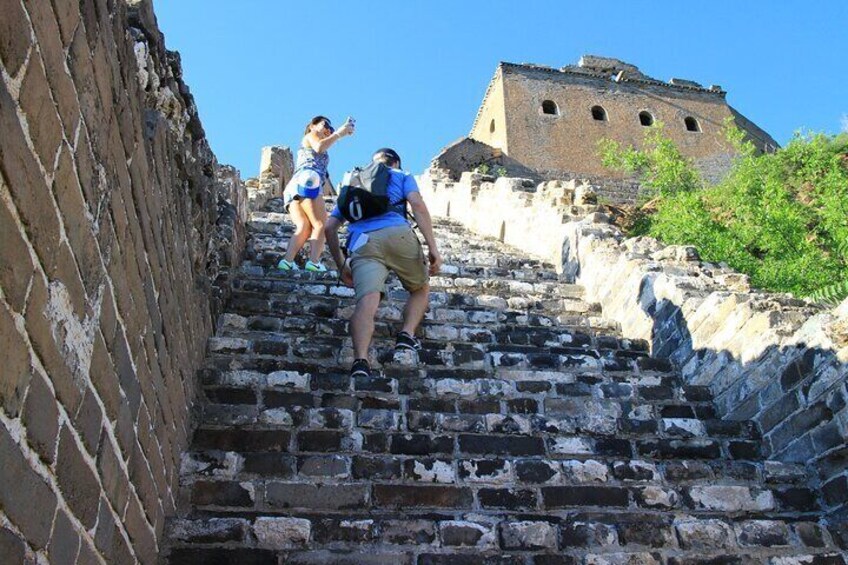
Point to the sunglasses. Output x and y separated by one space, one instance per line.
329 127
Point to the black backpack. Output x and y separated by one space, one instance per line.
365 193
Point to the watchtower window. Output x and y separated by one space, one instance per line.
492 127
599 114
550 107
646 119
692 124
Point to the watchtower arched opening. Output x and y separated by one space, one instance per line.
692 124
599 114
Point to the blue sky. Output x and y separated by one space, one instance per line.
413 73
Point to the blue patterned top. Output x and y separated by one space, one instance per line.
308 158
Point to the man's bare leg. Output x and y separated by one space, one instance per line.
362 324
416 307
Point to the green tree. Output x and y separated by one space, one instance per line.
780 217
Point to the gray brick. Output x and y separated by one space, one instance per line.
222 493
12 546
326 497
31 491
41 418
404 496
765 533
65 542
527 535
17 371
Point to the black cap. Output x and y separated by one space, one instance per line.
391 153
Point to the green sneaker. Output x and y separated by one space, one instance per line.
284 265
316 267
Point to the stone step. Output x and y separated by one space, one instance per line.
266 250
644 383
435 335
452 325
454 242
514 416
461 556
302 301
450 275
235 407
374 434
647 381
519 415
422 538
389 316
284 282
666 480
337 350
642 397
286 497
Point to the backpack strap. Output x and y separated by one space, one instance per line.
400 207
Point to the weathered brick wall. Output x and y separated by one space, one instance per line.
109 216
767 357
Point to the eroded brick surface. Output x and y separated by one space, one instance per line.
118 228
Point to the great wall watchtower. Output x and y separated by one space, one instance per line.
546 123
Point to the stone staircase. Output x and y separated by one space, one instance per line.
530 432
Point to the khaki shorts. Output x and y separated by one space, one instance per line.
397 249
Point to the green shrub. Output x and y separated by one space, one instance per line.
782 217
664 171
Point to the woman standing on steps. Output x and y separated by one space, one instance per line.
302 196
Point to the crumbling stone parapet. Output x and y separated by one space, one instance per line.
755 350
276 166
518 211
276 162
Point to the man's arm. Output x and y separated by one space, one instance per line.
425 224
331 230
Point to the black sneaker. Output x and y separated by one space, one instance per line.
360 368
407 341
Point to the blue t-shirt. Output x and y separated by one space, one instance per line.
401 185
